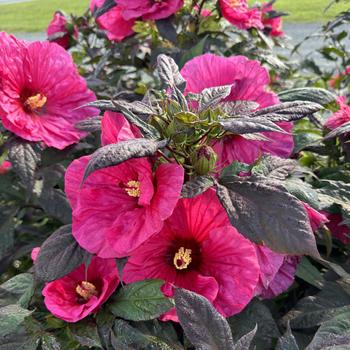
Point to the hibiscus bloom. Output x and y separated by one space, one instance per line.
199 250
5 166
340 117
119 207
83 291
117 27
317 219
339 76
273 26
249 83
238 13
149 9
59 26
40 92
338 230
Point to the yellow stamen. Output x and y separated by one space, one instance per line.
35 102
182 258
86 290
133 189
234 3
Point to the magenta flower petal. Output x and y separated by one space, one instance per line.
149 9
249 82
340 117
199 250
41 91
63 299
238 13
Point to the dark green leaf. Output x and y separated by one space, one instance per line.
117 153
333 332
309 273
85 333
55 204
302 190
196 50
245 342
90 124
124 336
312 311
19 289
267 214
24 159
196 186
7 229
140 301
166 29
49 342
255 314
274 167
232 170
287 341
202 324
59 255
317 95
11 317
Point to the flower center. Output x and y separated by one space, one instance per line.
133 188
234 3
182 258
86 290
35 102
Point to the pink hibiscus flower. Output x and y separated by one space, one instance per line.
59 25
338 230
117 27
317 219
238 13
83 291
199 250
340 117
335 79
249 83
40 92
149 9
120 207
273 26
5 167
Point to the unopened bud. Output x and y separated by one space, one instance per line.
204 160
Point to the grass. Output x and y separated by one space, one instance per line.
35 15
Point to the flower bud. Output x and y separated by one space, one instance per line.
204 159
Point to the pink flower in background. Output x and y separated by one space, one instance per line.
340 117
116 128
283 279
240 15
204 12
149 9
317 219
117 27
120 207
249 83
335 79
58 26
338 230
5 167
83 291
199 250
273 26
40 92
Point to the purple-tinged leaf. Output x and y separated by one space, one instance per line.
203 325
117 153
196 186
90 125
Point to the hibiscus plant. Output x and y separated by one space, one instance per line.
169 181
